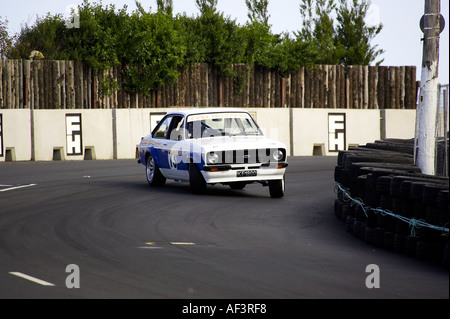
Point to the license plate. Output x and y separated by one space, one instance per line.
246 173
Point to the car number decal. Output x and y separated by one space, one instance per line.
173 160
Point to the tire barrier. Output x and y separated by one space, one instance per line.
385 200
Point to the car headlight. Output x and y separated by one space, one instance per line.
212 158
278 155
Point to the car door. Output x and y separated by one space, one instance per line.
168 136
161 147
174 146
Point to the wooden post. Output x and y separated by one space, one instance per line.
47 83
62 70
26 83
347 88
41 84
401 80
204 84
257 87
35 82
393 87
429 88
9 85
365 70
372 84
410 87
71 84
56 102
20 85
13 85
220 92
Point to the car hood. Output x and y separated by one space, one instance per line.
226 143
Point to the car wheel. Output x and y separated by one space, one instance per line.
196 181
153 174
276 188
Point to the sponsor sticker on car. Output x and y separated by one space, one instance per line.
212 116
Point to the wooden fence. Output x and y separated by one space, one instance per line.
73 85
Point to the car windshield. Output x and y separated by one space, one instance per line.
221 124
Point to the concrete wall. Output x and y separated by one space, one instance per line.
399 123
274 123
45 135
132 125
51 130
313 129
15 135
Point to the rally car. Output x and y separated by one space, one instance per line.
208 146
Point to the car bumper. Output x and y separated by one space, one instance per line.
239 173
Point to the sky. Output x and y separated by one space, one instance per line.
400 37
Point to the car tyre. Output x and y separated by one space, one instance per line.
153 174
196 181
276 188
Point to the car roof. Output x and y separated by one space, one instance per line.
202 110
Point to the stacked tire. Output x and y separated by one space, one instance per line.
383 175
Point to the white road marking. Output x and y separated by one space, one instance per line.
17 187
30 278
162 245
178 243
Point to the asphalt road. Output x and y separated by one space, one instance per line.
129 240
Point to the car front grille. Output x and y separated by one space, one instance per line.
247 156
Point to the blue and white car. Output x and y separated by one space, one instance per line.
208 146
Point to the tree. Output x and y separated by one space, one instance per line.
165 6
324 33
306 11
98 39
153 47
260 39
345 42
6 41
221 41
187 28
206 6
288 55
153 50
318 29
353 35
47 36
258 11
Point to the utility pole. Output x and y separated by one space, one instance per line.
429 88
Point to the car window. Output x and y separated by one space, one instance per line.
248 126
176 128
221 124
162 129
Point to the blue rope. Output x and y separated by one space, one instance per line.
412 222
